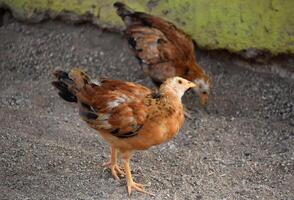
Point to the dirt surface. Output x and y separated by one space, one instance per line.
242 148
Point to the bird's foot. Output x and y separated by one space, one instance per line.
138 187
115 169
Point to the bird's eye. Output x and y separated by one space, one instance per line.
180 81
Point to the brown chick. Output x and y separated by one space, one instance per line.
127 115
164 51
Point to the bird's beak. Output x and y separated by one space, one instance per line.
192 85
203 99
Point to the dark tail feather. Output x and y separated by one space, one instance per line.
131 17
122 9
87 112
62 84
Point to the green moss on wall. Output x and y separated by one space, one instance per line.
215 24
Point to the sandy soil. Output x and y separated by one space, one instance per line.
242 148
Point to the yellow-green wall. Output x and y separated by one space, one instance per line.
215 24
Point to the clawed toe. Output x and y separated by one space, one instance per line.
115 170
138 187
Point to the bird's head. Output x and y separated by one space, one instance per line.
177 86
196 74
203 89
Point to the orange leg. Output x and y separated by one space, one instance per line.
113 166
130 183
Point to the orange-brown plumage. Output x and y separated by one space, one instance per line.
128 116
163 49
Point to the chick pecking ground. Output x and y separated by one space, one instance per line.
242 147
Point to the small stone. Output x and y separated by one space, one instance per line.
247 154
291 122
198 197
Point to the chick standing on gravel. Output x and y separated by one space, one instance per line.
127 115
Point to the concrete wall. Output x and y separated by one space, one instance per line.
235 25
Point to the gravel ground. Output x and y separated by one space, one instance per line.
242 148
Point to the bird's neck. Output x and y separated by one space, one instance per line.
172 92
172 99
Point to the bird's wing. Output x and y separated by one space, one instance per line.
115 106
